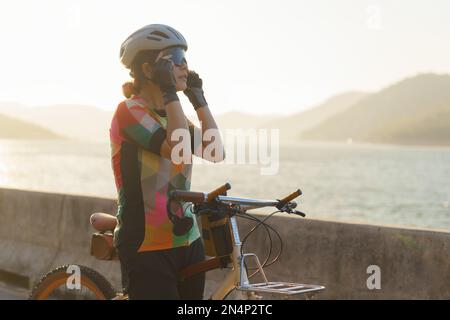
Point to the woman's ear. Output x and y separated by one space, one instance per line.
147 70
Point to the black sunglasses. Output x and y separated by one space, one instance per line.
177 55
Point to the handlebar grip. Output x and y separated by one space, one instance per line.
190 196
291 196
221 190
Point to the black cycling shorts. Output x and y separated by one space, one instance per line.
152 275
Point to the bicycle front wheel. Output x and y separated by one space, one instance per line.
62 284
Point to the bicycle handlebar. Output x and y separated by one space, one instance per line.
290 197
191 196
220 195
181 225
221 190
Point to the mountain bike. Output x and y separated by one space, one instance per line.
222 241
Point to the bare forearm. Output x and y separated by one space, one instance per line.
208 122
206 119
175 120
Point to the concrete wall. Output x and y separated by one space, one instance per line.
414 264
39 231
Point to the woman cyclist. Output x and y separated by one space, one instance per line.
146 133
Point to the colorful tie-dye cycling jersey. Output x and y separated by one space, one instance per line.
144 178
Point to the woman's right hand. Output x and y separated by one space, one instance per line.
162 75
194 90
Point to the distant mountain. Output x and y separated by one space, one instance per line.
414 110
92 124
74 121
11 128
290 126
430 129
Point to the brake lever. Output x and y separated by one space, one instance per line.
299 213
289 208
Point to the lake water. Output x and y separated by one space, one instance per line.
390 185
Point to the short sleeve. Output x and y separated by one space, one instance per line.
138 127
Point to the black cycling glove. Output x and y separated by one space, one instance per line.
194 90
162 75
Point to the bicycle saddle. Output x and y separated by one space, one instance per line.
103 222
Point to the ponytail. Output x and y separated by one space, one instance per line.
130 88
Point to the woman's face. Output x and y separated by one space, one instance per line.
180 71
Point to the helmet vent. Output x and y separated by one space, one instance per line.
174 32
161 34
153 38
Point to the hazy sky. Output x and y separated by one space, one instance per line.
256 56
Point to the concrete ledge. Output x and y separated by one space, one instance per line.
415 264
39 231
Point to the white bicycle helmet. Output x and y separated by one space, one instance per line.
150 37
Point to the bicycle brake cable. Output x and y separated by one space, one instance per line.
262 222
266 227
265 263
275 259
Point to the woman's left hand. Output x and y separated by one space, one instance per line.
194 90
